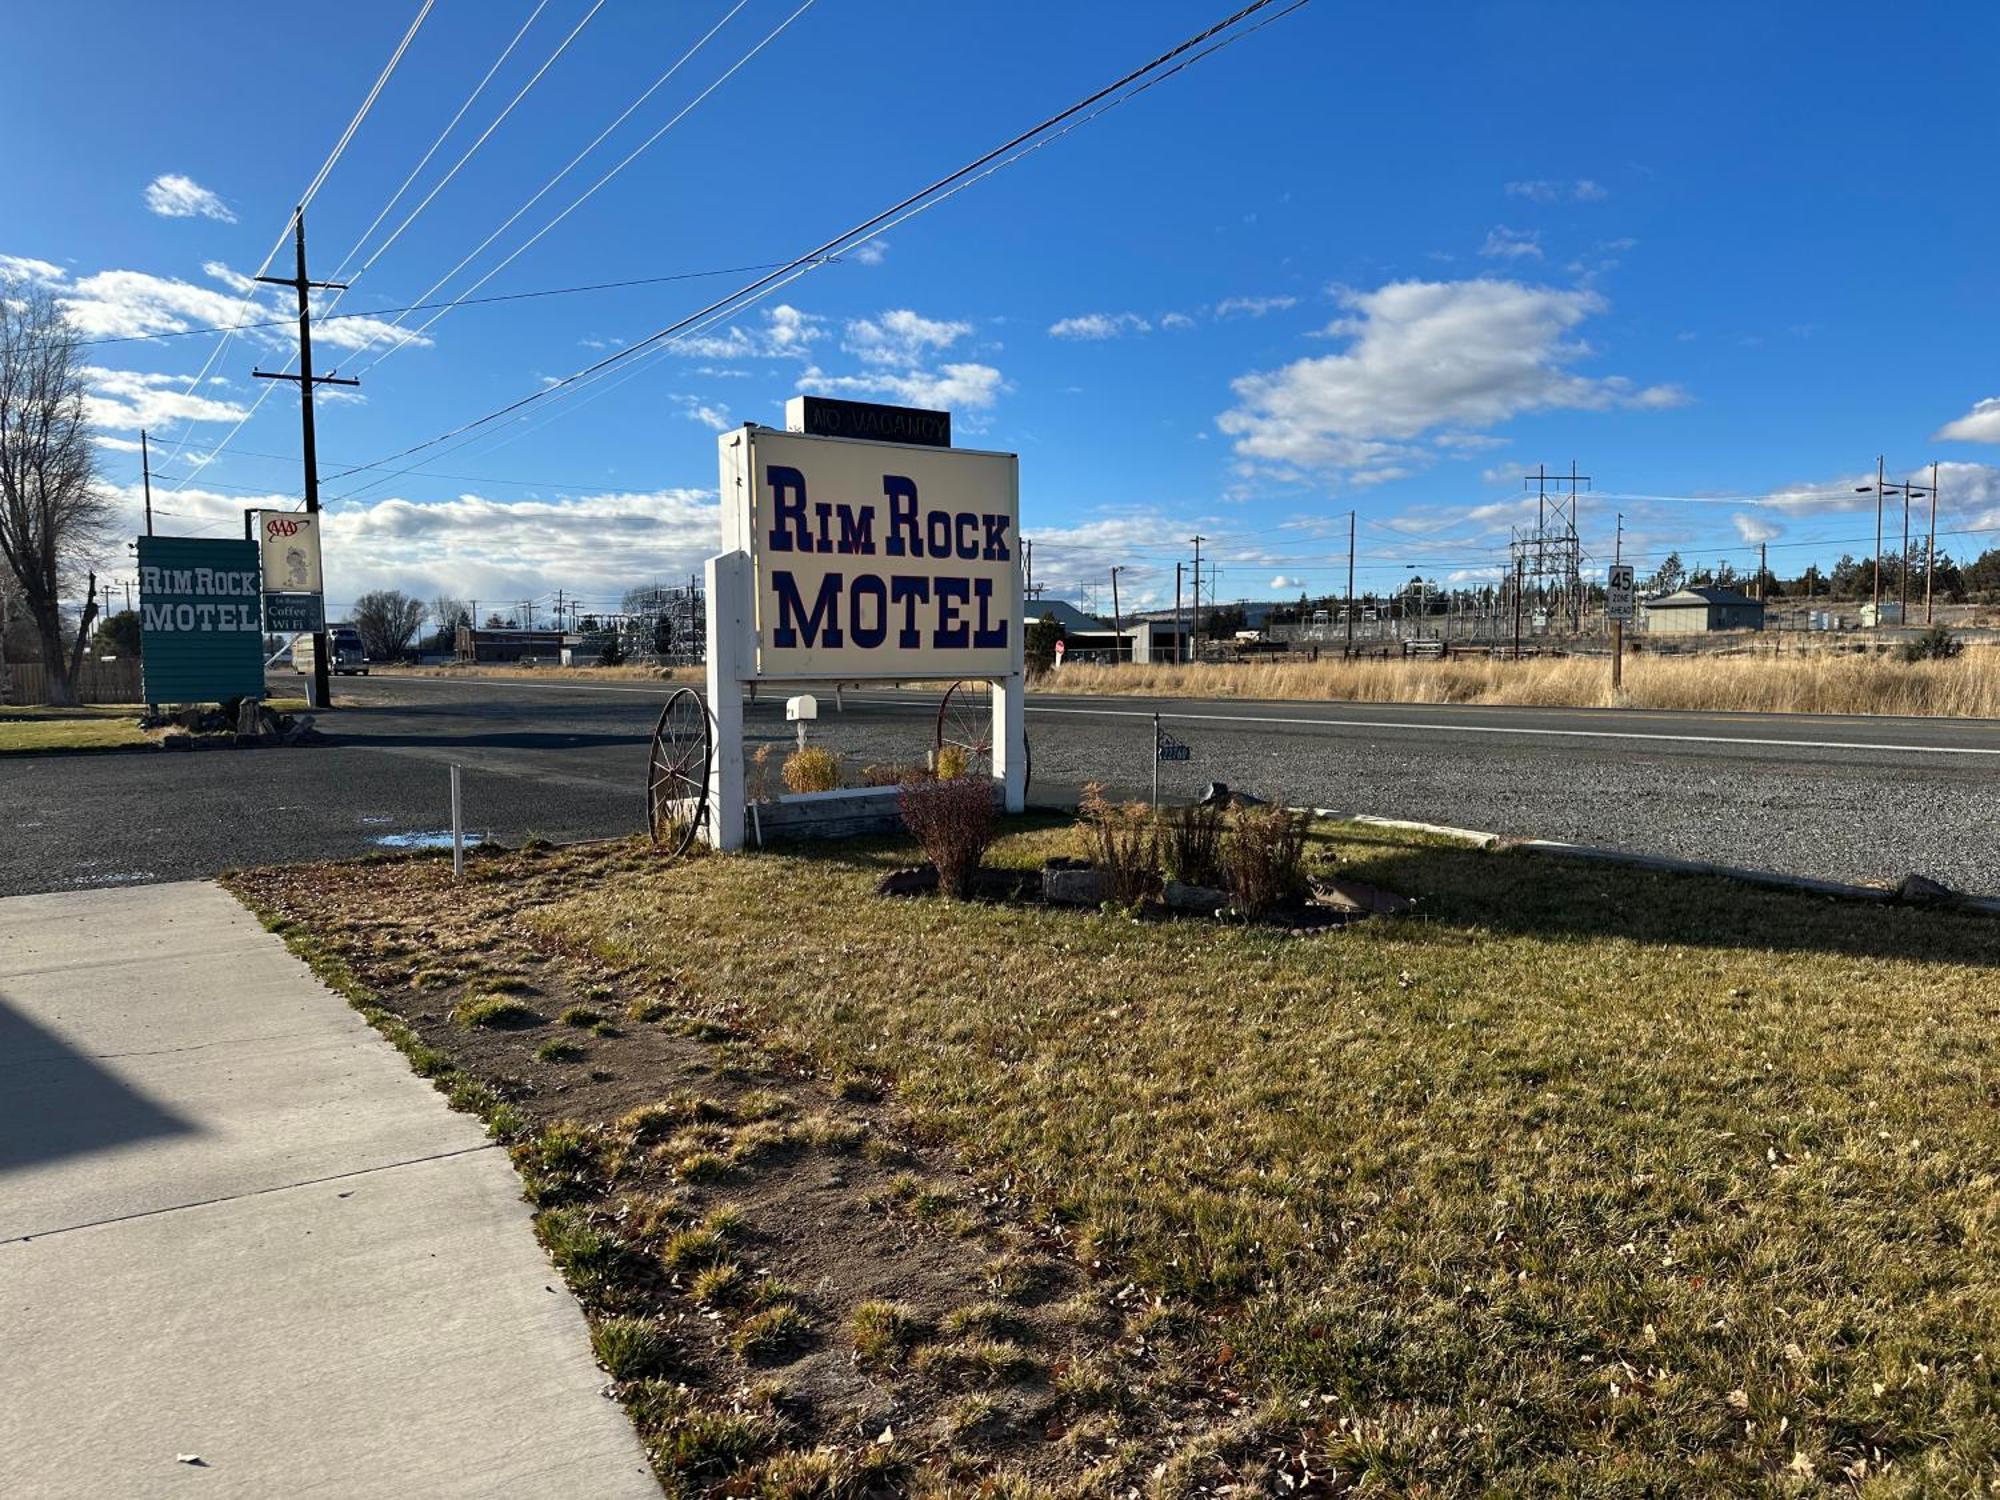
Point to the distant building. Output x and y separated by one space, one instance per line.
498 645
1698 611
1062 612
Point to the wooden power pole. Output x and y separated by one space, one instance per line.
306 380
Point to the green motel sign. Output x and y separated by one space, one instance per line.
201 637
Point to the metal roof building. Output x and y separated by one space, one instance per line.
1697 611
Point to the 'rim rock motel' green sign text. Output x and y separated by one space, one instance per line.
200 629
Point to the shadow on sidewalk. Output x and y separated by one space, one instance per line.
56 1103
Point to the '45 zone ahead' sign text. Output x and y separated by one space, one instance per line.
875 560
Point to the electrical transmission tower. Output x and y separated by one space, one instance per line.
1548 557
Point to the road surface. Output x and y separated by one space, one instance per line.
1847 798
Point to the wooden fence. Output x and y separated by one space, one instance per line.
98 682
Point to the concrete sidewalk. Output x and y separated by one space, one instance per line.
233 1224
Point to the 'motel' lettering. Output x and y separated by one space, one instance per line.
941 610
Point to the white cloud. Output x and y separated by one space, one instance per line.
953 387
901 337
1422 355
1099 326
1755 529
1543 190
129 400
714 418
1253 307
27 268
1512 244
115 444
173 196
783 332
871 252
1284 581
1980 425
1176 320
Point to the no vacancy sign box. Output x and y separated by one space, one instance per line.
874 560
200 627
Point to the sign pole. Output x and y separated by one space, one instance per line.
1156 763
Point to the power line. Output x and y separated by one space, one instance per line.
305 200
379 312
786 278
629 158
424 161
865 227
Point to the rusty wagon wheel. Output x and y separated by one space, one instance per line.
964 737
677 772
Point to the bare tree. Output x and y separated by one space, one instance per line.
448 614
53 515
388 620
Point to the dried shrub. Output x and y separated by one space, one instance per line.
952 762
893 773
1123 845
812 768
1191 839
1263 856
953 821
1935 644
757 780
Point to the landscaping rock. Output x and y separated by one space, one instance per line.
1201 898
1358 896
1072 887
1218 794
1919 890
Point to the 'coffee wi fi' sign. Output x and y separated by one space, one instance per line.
875 560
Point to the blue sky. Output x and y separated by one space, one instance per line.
1385 259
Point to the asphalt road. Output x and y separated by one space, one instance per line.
1845 798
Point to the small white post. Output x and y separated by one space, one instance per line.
457 831
727 577
1010 751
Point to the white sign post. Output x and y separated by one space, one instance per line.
852 562
1618 609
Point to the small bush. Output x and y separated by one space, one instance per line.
558 1050
812 769
632 1348
1192 840
757 778
581 1016
1264 857
771 1332
951 763
953 821
1935 644
893 773
496 1011
884 1330
1123 845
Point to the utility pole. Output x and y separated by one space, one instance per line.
1520 575
306 380
146 471
1350 585
1762 569
1179 633
1878 541
1195 624
1117 621
1930 551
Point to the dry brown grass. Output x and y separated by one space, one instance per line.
690 675
1824 683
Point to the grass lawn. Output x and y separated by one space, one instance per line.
1578 1181
90 726
93 726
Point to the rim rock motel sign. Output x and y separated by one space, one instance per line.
852 561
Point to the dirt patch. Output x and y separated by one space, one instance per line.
793 1292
